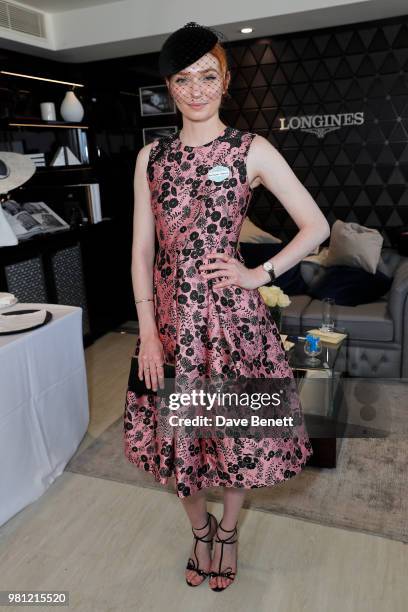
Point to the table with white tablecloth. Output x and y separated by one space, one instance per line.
44 410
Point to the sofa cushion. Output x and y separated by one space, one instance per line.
388 263
312 267
350 286
354 245
291 281
311 271
363 322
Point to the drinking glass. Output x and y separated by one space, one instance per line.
327 315
312 347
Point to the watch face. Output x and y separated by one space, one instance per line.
267 266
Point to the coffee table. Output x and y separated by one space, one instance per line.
321 396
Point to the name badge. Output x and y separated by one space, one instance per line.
218 173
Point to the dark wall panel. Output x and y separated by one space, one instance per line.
355 173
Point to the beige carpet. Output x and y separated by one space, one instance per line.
367 491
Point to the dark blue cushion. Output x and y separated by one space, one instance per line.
350 286
254 254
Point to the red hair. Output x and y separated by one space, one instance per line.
219 52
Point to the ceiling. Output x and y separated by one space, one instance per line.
59 6
91 30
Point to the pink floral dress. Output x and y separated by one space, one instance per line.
205 331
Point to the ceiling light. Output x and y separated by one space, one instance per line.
246 30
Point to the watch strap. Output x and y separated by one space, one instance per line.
271 276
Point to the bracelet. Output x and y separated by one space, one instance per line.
145 300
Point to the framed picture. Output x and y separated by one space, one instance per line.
155 100
150 134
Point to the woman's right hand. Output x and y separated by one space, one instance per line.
151 361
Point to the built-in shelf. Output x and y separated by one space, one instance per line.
39 78
40 123
45 169
62 176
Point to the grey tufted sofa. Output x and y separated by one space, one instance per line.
378 334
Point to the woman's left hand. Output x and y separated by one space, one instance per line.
233 272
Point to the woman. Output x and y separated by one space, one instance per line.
193 188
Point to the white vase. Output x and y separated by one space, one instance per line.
71 108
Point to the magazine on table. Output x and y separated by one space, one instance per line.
31 218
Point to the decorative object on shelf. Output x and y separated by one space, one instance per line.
37 158
276 299
65 157
312 347
48 111
31 218
71 108
15 170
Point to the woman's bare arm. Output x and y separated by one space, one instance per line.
143 245
267 166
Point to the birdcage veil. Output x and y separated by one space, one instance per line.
192 63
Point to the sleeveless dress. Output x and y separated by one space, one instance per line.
206 330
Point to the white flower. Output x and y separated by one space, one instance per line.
274 296
283 300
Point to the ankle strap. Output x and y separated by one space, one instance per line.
227 530
226 540
208 520
202 538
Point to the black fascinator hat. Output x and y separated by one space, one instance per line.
185 46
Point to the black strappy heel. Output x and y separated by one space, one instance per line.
193 565
227 573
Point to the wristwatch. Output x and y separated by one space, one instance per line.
268 267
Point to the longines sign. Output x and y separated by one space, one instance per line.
320 125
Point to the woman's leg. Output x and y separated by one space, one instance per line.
233 500
196 509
